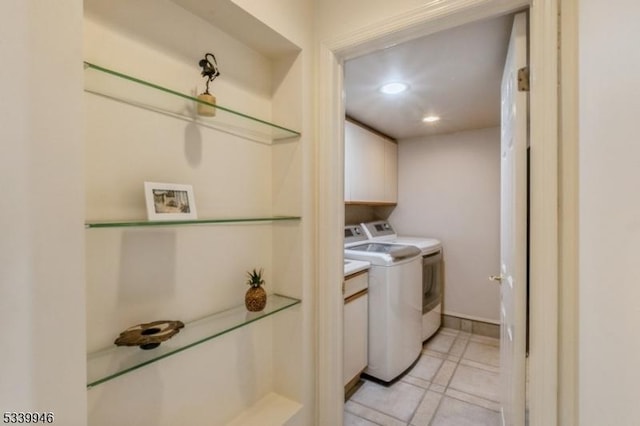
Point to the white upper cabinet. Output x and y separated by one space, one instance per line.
391 172
371 167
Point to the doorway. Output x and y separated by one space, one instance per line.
429 19
449 168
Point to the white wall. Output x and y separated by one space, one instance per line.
609 287
291 18
449 189
296 259
340 17
42 359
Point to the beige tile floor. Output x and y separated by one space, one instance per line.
454 383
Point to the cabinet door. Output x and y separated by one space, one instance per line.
355 337
375 168
364 164
390 172
349 159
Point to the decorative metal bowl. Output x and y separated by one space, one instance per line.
149 335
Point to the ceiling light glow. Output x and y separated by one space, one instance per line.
394 88
431 119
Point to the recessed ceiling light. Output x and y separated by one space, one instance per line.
431 118
394 88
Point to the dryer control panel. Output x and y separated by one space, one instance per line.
379 228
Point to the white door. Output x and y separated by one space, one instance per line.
513 229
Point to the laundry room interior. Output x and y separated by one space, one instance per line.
448 171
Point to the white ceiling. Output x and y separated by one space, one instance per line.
454 74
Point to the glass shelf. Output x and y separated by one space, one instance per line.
116 361
139 223
134 91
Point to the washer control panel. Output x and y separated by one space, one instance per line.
354 234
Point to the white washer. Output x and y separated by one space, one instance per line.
432 270
395 308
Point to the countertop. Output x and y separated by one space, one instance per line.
353 266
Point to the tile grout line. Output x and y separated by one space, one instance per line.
372 409
473 403
382 412
424 394
363 418
471 366
455 337
413 414
448 353
435 412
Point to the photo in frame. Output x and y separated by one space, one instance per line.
169 201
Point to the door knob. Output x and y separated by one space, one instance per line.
497 278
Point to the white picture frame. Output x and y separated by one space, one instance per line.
169 201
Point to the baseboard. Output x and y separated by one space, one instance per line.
472 326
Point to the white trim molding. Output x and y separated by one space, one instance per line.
543 234
437 15
431 17
568 220
471 317
330 154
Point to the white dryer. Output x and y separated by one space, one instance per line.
395 310
432 270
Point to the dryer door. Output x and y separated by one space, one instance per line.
432 280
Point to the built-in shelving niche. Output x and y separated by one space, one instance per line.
176 34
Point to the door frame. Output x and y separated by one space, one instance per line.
543 258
